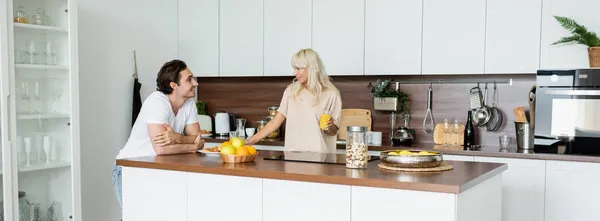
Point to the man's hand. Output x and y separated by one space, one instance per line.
167 137
199 142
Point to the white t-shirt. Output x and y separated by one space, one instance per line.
156 109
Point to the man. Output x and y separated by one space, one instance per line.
168 120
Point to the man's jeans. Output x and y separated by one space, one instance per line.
117 183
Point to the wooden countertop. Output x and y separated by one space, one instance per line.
485 151
464 175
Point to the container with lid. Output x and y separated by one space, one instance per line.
356 147
275 133
261 124
273 110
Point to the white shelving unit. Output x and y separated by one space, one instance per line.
41 67
40 28
40 121
43 166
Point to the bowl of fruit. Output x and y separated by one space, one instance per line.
411 158
234 151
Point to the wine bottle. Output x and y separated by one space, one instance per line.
469 133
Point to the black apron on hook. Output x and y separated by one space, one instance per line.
137 100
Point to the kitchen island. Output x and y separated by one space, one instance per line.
201 187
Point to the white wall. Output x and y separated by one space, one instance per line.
108 32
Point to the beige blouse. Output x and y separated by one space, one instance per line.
302 131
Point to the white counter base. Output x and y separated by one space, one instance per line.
158 195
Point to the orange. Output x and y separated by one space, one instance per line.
241 151
251 150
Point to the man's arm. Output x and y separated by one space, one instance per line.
171 137
154 130
191 131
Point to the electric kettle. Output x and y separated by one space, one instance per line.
222 124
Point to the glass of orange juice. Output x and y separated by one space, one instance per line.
323 119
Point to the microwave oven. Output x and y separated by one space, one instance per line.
567 111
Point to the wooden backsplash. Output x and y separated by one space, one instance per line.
249 97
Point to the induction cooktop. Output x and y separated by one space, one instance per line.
312 157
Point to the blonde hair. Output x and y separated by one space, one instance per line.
318 81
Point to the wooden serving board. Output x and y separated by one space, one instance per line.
438 135
354 117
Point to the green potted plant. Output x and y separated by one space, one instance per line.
385 99
581 35
201 106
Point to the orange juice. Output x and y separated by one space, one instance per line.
323 120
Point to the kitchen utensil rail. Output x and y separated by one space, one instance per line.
455 81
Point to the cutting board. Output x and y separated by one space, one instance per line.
354 117
438 135
205 122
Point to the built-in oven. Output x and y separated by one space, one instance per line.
567 111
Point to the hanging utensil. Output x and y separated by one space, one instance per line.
532 107
428 122
495 114
500 116
482 114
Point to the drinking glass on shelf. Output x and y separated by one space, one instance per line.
47 145
31 52
25 95
27 141
446 130
50 54
36 96
504 141
456 129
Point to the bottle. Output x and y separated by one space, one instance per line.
469 133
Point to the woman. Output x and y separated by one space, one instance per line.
310 95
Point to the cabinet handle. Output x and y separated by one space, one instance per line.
69 124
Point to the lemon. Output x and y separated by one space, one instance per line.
229 150
237 142
405 152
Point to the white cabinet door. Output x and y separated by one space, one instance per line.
457 157
370 204
305 201
572 191
198 42
338 35
567 55
523 184
453 36
241 37
159 200
393 37
220 197
513 36
287 30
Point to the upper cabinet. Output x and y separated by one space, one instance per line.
393 37
241 37
338 35
453 36
567 55
287 30
513 36
198 43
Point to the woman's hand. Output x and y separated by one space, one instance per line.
330 128
252 140
167 137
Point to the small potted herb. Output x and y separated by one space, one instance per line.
201 106
581 35
385 99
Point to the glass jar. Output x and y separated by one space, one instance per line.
261 125
275 132
21 16
273 110
356 147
